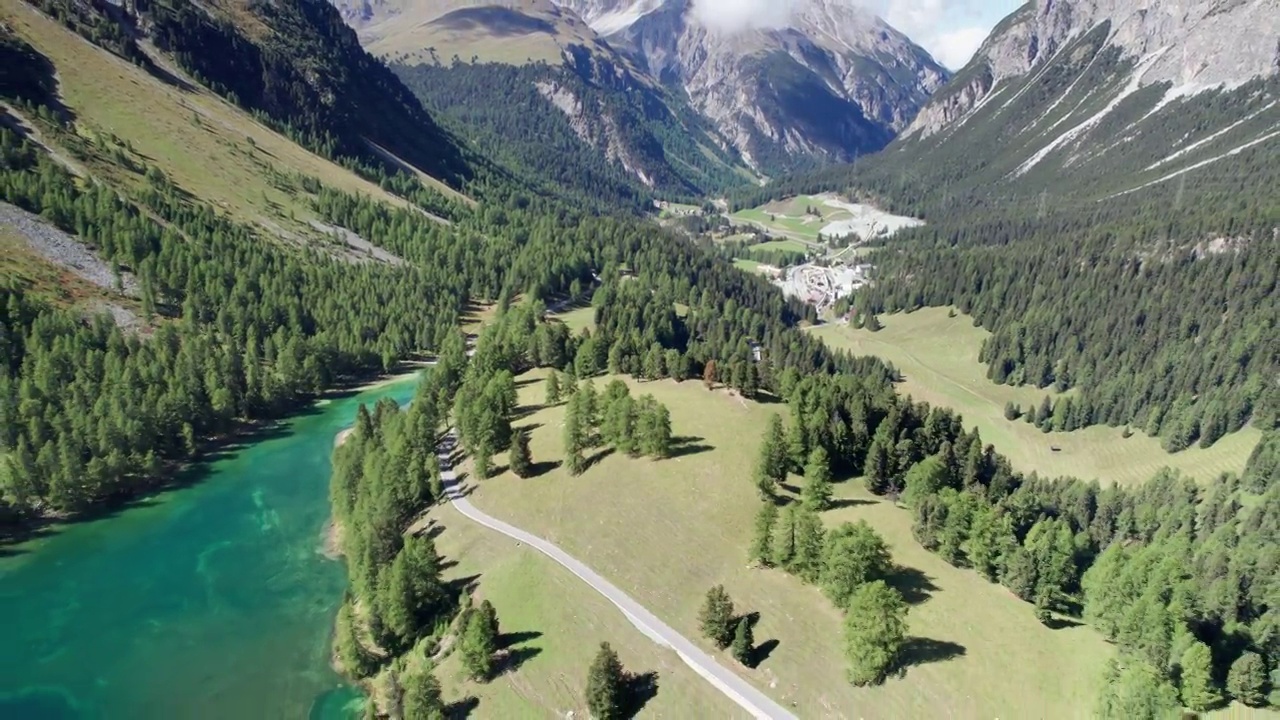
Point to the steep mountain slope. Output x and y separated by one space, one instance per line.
549 98
821 80
1104 97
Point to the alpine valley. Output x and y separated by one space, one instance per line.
422 359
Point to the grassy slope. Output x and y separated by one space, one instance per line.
211 158
938 356
666 531
789 218
560 623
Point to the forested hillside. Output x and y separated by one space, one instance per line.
588 129
1142 271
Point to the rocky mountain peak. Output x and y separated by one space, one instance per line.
1194 45
822 79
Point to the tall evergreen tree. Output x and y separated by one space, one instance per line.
1247 680
553 388
743 644
519 459
716 617
783 545
422 698
762 541
1199 692
875 630
606 685
854 555
816 494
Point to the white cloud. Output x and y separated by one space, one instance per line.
736 15
954 49
951 30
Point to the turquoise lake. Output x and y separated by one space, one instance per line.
213 601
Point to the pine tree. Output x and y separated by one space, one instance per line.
875 630
553 388
743 644
483 460
519 459
574 437
422 697
716 617
1199 692
762 542
773 451
783 544
816 494
1247 680
606 683
479 642
853 556
810 542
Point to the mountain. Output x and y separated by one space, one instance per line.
826 81
1105 97
816 82
1099 189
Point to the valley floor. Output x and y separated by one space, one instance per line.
938 358
666 531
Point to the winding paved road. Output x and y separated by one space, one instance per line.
734 687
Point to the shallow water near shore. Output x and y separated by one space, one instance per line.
213 601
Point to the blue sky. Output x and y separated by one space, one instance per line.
951 30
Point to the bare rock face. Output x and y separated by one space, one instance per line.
1194 45
813 79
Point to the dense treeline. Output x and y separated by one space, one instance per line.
1183 342
242 329
1181 577
385 473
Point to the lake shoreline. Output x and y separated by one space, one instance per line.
178 474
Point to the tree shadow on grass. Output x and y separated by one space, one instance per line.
461 709
593 460
851 502
542 468
506 640
1062 623
916 586
526 411
761 652
922 651
510 660
638 690
458 587
679 451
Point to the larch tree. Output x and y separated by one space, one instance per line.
520 459
816 494
479 642
716 617
854 555
553 388
875 630
783 543
1247 680
709 375
743 644
810 539
606 685
422 699
762 540
1199 691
